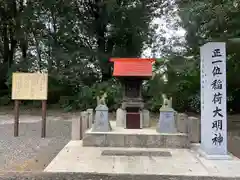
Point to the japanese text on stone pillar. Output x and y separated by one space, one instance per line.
217 88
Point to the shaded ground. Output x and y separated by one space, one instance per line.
29 152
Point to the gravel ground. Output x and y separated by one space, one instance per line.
30 152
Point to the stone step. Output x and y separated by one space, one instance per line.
100 176
148 140
137 163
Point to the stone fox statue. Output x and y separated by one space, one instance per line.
167 103
102 100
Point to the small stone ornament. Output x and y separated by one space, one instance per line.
102 100
167 103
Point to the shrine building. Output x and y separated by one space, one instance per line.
131 72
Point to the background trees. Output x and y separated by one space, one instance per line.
73 41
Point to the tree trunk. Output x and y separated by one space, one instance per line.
38 51
8 38
5 58
6 44
55 40
108 67
100 14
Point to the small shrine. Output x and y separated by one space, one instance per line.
131 72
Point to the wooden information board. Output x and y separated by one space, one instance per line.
29 86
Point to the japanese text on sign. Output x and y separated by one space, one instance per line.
29 86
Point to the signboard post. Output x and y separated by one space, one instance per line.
213 101
29 86
16 117
44 114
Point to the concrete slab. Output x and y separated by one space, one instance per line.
76 158
229 167
141 138
121 130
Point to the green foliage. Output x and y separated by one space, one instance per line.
214 21
86 97
152 92
5 100
73 41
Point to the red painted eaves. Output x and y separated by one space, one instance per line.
132 67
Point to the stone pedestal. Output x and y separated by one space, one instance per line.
120 117
194 130
182 120
79 126
146 118
167 123
85 123
101 122
133 107
76 129
90 117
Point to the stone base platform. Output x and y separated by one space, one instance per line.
144 138
140 163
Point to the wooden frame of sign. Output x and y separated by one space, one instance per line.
29 86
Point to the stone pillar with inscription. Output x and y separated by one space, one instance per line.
213 101
101 122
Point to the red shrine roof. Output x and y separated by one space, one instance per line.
132 66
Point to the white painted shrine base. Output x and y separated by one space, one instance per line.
75 158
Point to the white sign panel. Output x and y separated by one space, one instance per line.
213 99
